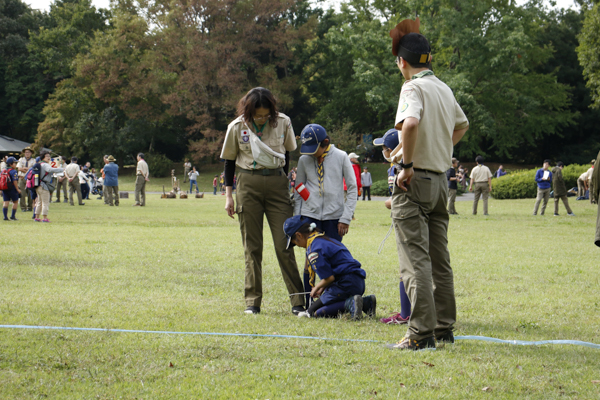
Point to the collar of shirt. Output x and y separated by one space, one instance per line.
422 74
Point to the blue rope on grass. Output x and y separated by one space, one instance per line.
479 338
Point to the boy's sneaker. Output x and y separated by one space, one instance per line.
13 219
395 319
252 310
6 219
354 305
412 344
571 214
45 220
37 220
556 215
304 314
370 305
296 310
446 337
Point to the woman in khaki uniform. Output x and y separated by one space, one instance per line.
258 143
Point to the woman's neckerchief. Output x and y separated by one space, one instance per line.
312 257
320 172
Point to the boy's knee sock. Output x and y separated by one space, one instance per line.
331 310
404 301
14 212
5 211
307 287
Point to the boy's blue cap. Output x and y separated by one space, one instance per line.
11 161
389 140
312 135
291 226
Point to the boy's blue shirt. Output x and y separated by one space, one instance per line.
329 257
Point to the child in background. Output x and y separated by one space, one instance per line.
392 152
215 182
193 175
12 193
322 169
342 281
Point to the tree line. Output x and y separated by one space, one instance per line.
164 76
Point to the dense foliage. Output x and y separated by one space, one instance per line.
165 76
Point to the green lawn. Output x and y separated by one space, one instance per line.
177 265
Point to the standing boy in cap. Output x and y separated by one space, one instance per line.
322 169
590 172
543 178
392 153
13 191
23 166
431 122
111 181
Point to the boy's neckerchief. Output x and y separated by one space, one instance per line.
320 172
311 270
422 74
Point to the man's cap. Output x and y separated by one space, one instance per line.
312 135
28 148
111 159
391 139
291 226
11 160
353 156
38 159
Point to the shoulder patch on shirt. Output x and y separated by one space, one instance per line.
313 256
403 107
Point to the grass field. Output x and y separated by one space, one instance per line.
177 265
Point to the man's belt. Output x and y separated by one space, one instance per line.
263 172
427 170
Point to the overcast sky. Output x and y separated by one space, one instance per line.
45 4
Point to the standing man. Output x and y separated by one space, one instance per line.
61 181
482 177
111 181
72 174
187 167
543 178
560 189
23 166
500 172
142 176
431 122
452 186
356 167
590 172
366 181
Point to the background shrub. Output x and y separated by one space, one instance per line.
521 184
159 165
380 188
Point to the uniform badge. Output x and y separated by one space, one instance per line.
245 136
404 107
313 256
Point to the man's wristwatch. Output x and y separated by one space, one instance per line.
405 166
